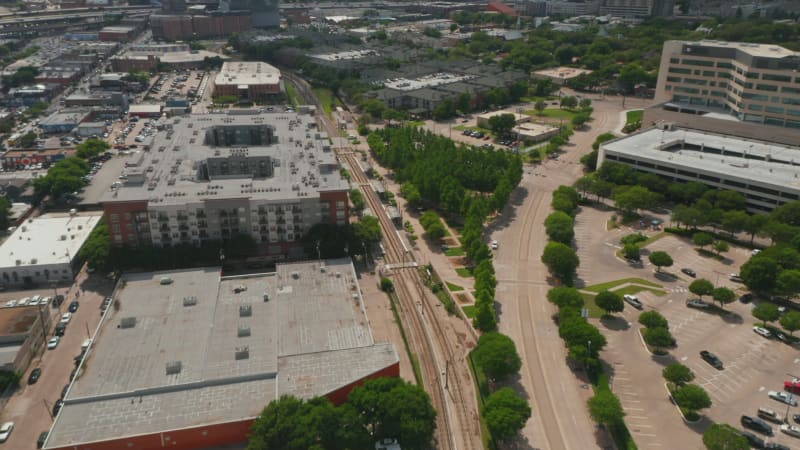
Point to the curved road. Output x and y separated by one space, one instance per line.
557 396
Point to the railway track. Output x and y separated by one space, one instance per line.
442 358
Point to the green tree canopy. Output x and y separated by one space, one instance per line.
678 374
561 260
702 239
653 319
357 198
766 312
701 287
505 413
565 297
692 397
723 295
97 248
659 337
724 437
788 282
498 356
609 301
790 321
559 227
760 273
660 259
606 408
501 124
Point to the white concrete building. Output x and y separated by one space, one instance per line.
44 249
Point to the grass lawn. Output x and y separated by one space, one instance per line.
415 123
554 113
612 284
595 312
454 251
465 272
454 287
635 116
291 93
469 310
326 98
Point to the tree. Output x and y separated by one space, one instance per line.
540 106
633 238
501 124
358 199
692 397
293 424
579 119
485 318
367 230
565 297
559 227
606 408
561 260
766 312
387 285
660 259
724 437
653 319
497 355
754 225
576 331
723 295
505 413
394 408
788 282
659 337
410 192
759 273
632 252
678 374
701 287
721 246
585 103
97 248
569 102
609 301
702 239
790 321
630 199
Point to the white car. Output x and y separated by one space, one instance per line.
35 300
53 342
5 431
791 430
24 301
633 301
66 317
11 303
783 397
763 332
495 245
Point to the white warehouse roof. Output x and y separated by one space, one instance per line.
47 240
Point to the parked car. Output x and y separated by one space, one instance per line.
783 397
73 306
763 332
792 386
5 431
735 277
495 245
769 415
791 430
756 424
42 439
633 301
697 303
53 342
66 318
776 446
64 390
753 440
34 376
57 406
711 359
689 272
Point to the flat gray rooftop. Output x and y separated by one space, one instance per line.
310 337
304 163
726 156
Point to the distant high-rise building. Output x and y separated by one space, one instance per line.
265 13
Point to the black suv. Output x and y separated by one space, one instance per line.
756 424
711 359
753 440
74 306
34 376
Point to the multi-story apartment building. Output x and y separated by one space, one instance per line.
214 176
754 83
248 80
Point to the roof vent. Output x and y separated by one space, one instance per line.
174 367
244 331
242 353
127 322
189 301
245 310
296 275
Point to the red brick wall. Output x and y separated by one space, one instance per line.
185 439
127 225
339 396
334 197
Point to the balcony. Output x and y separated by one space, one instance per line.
163 219
297 218
165 237
183 217
163 228
297 210
143 227
183 227
202 224
224 222
201 214
280 221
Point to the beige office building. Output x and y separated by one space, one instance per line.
754 83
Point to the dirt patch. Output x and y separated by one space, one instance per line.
463 299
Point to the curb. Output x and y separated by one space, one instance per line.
675 404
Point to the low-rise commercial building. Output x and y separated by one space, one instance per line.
63 122
23 331
118 33
214 176
195 364
255 81
766 173
145 110
44 250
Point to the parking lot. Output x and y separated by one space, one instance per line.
180 84
30 406
753 365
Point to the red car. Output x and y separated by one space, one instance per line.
792 386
